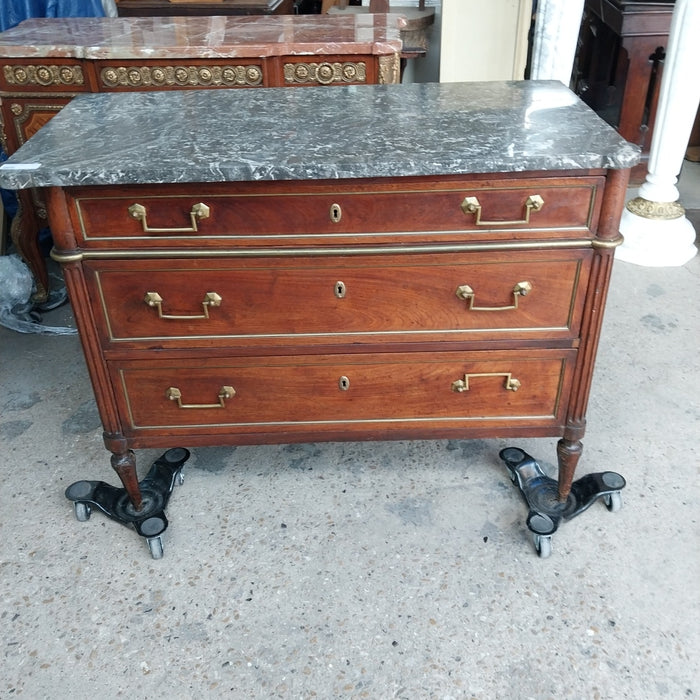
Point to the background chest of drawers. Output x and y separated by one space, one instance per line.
44 63
287 301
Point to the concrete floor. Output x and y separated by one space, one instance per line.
378 570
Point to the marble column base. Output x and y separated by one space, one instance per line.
656 242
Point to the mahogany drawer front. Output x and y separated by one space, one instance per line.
337 299
265 214
352 392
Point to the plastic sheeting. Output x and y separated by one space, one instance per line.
16 311
12 12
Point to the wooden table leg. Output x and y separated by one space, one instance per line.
24 234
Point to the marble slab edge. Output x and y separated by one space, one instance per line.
317 133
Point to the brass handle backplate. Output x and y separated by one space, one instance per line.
198 211
521 289
154 300
226 392
533 203
511 383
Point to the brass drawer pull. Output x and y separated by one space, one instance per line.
511 383
226 392
153 299
198 211
471 206
465 292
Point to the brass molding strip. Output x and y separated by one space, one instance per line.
605 243
316 252
181 75
45 74
65 258
325 73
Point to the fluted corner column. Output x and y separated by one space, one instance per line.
557 26
655 228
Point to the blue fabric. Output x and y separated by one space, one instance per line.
12 12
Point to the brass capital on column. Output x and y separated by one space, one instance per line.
664 211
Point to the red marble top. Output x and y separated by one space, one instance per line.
202 37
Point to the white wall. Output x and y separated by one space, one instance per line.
484 39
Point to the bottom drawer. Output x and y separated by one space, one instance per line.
346 393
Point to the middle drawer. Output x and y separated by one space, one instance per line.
341 299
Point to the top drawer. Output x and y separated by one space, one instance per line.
264 214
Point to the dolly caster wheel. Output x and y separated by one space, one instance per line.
542 528
82 511
543 545
149 520
613 501
155 545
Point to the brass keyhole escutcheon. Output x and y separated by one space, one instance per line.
336 213
340 289
343 383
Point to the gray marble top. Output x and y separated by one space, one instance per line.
316 133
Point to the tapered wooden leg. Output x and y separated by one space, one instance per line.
125 465
568 454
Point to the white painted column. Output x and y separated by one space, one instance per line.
656 230
557 27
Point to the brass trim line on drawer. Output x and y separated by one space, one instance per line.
183 253
607 243
66 258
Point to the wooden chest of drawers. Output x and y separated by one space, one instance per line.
255 310
326 315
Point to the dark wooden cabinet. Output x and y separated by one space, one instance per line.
619 65
44 63
165 8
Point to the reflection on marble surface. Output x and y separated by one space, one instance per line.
201 37
349 132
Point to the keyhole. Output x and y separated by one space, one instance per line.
343 383
336 213
340 290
